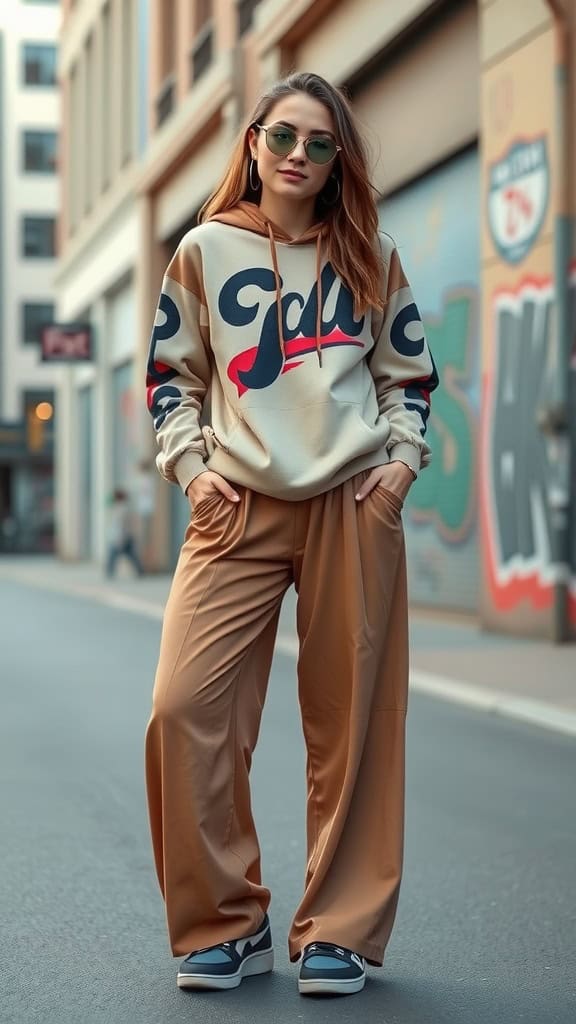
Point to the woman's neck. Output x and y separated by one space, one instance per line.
293 217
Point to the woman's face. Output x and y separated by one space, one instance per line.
305 116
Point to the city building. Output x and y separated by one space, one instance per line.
103 62
468 107
29 199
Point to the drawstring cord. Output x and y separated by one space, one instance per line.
279 294
278 291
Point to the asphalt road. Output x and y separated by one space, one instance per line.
486 930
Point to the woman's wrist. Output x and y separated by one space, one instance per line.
402 463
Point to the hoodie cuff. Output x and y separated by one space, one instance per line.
407 453
188 467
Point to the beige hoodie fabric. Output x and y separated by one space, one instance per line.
259 370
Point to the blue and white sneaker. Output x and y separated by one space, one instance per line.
225 965
329 969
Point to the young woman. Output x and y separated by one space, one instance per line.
289 383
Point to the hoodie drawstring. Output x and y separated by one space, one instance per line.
279 294
278 290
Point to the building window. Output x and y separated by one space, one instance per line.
40 151
246 10
167 53
39 237
35 315
201 57
39 64
202 47
165 101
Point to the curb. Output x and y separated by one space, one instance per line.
523 709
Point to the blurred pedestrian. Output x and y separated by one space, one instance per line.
287 314
121 537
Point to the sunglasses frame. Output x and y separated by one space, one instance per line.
298 138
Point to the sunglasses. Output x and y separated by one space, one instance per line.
320 149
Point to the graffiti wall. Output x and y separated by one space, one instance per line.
520 466
517 456
435 225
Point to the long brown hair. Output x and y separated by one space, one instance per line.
352 222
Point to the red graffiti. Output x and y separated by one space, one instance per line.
520 209
516 517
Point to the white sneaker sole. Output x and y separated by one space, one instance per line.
346 987
256 963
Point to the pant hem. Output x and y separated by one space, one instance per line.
374 955
214 936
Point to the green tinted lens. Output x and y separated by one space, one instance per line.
280 140
320 150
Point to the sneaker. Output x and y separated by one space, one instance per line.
225 965
330 969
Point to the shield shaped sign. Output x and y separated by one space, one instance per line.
519 186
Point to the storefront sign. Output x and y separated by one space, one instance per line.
66 343
519 187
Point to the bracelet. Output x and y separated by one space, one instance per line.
415 475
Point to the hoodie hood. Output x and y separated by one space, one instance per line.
249 217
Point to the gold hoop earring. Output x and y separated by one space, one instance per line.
253 186
332 202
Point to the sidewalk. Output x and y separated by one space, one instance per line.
450 657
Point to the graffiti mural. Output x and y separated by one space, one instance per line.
518 197
446 493
516 467
435 225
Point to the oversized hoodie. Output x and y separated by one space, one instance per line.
259 369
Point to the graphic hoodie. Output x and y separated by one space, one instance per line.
259 369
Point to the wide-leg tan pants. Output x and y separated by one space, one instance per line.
348 564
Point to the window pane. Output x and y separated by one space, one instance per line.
39 64
246 10
40 152
34 316
39 237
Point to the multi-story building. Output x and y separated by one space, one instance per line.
29 199
103 63
468 108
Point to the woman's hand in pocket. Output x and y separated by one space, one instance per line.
208 483
396 477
